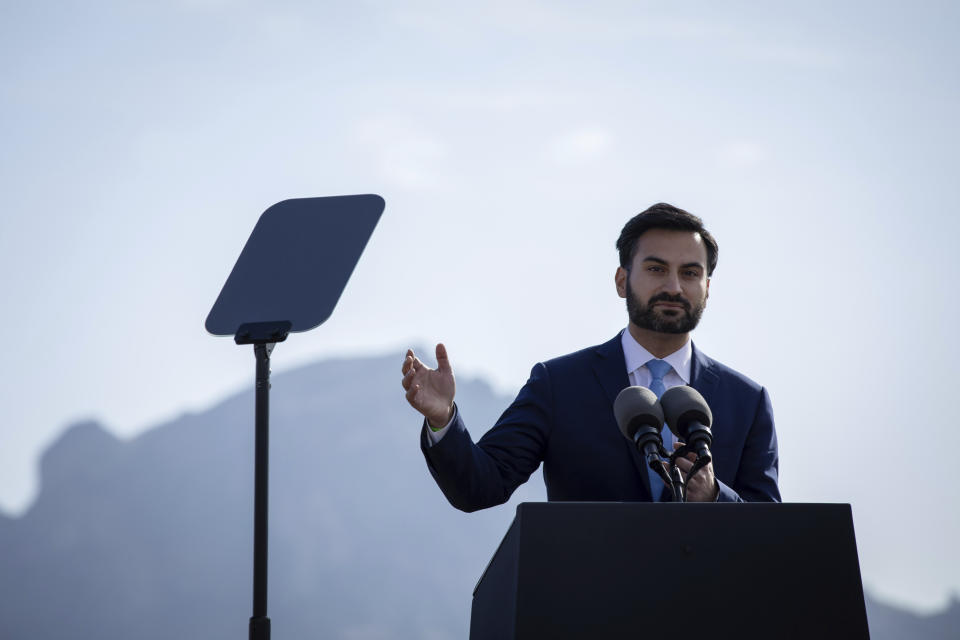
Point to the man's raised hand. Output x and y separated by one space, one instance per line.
430 391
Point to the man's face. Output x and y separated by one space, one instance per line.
666 287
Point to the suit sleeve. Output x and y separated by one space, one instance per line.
478 475
757 475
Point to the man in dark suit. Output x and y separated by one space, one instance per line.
563 416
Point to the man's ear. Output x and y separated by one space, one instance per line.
620 278
707 296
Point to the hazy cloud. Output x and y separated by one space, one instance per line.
740 154
582 145
405 155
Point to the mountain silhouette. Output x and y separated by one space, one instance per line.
151 537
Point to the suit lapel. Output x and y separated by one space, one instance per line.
610 367
702 376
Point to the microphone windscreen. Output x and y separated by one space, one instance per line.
683 405
635 407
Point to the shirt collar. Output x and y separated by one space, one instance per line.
636 356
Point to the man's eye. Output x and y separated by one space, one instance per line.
693 274
654 268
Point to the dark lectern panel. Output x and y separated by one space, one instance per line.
617 570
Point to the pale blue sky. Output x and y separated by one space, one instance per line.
511 141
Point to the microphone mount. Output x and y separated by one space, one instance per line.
648 441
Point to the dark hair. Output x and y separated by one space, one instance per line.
663 216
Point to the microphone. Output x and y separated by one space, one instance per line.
640 419
689 417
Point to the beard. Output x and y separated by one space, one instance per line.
647 317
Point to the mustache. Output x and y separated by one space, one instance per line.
666 297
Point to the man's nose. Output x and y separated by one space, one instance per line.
671 284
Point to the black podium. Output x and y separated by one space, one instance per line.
580 570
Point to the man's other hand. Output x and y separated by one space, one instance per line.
430 391
702 487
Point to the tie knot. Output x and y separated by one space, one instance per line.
658 369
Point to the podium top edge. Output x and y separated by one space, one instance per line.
674 505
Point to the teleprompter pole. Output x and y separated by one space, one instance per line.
260 623
263 336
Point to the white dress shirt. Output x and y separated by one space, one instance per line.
680 361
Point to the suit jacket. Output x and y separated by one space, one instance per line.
563 417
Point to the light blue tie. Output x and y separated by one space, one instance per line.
658 369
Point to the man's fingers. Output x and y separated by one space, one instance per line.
443 362
408 379
412 394
407 362
683 464
692 457
416 364
410 362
